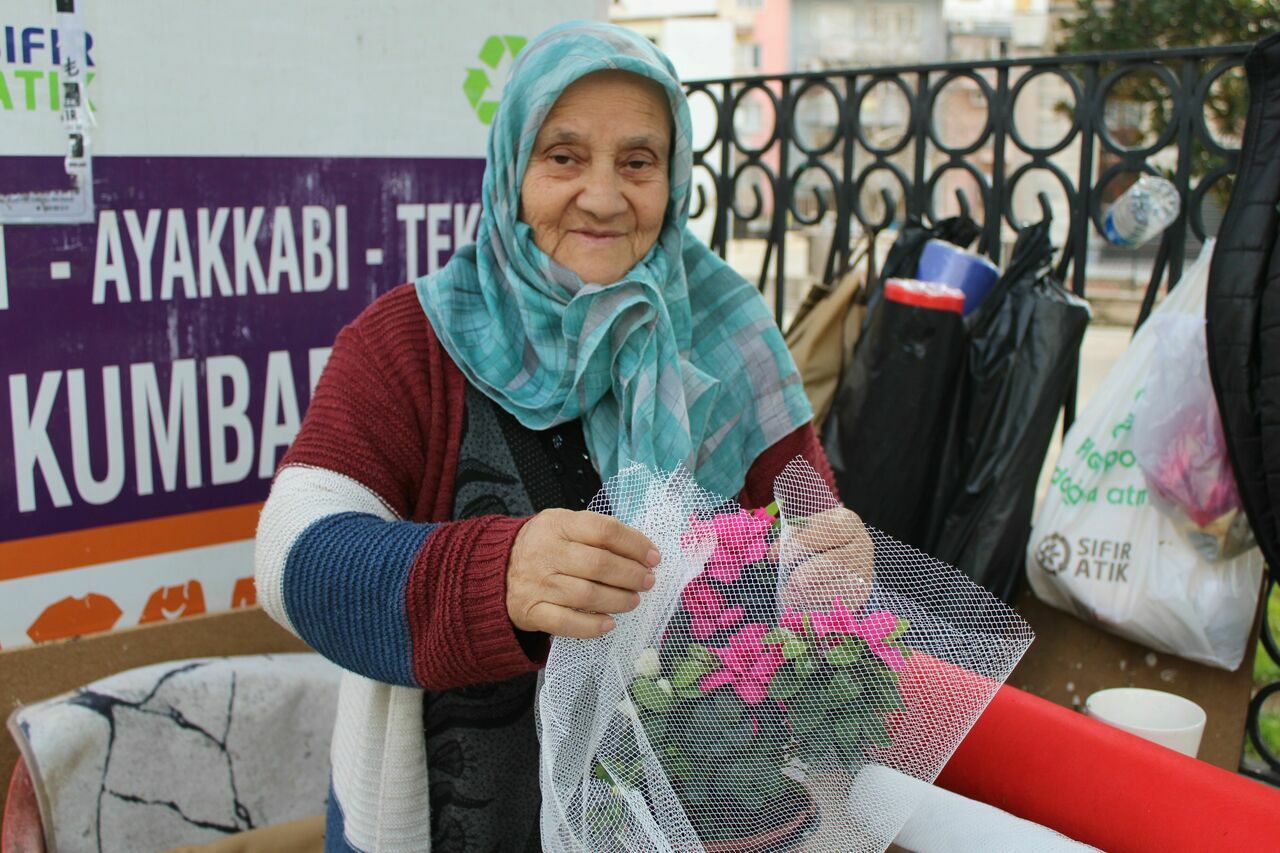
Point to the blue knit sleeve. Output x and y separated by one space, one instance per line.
344 590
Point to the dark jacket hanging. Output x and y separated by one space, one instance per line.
1242 311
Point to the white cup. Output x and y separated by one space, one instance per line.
1160 717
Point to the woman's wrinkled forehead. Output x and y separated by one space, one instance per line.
631 102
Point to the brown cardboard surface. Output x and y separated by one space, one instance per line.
38 672
1071 659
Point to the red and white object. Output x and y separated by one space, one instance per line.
925 294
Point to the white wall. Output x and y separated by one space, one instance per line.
699 48
288 77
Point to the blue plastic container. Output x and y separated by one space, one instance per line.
947 263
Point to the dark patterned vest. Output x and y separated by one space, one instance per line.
482 748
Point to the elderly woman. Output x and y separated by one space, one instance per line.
426 530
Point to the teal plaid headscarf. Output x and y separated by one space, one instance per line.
679 362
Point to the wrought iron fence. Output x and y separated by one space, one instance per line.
846 156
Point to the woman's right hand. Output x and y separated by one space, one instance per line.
569 570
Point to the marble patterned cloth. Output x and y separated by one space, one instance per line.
183 752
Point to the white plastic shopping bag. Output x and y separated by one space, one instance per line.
1103 550
1181 446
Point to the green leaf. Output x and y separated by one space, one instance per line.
793 647
618 773
805 665
710 732
843 689
785 683
898 631
847 731
686 676
702 653
752 781
650 696
606 815
889 699
676 763
656 725
776 636
688 671
805 716
722 711
877 733
846 653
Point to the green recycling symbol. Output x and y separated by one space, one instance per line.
477 83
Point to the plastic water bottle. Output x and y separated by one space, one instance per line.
1146 209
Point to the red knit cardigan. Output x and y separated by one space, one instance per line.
388 414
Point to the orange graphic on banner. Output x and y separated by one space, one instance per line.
174 602
245 594
72 617
20 558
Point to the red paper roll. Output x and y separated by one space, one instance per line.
1106 787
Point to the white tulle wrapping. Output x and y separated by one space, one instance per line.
963 644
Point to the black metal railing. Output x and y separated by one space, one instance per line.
1263 746
815 153
779 167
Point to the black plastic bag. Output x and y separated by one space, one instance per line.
889 425
890 421
1023 349
939 431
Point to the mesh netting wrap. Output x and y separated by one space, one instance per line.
783 685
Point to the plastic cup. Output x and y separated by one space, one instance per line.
972 273
1163 718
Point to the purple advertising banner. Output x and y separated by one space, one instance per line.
157 361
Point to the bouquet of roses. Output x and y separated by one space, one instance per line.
776 659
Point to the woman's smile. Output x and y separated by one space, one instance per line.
596 238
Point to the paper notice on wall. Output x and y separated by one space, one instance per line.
72 204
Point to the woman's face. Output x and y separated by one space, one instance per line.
595 191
